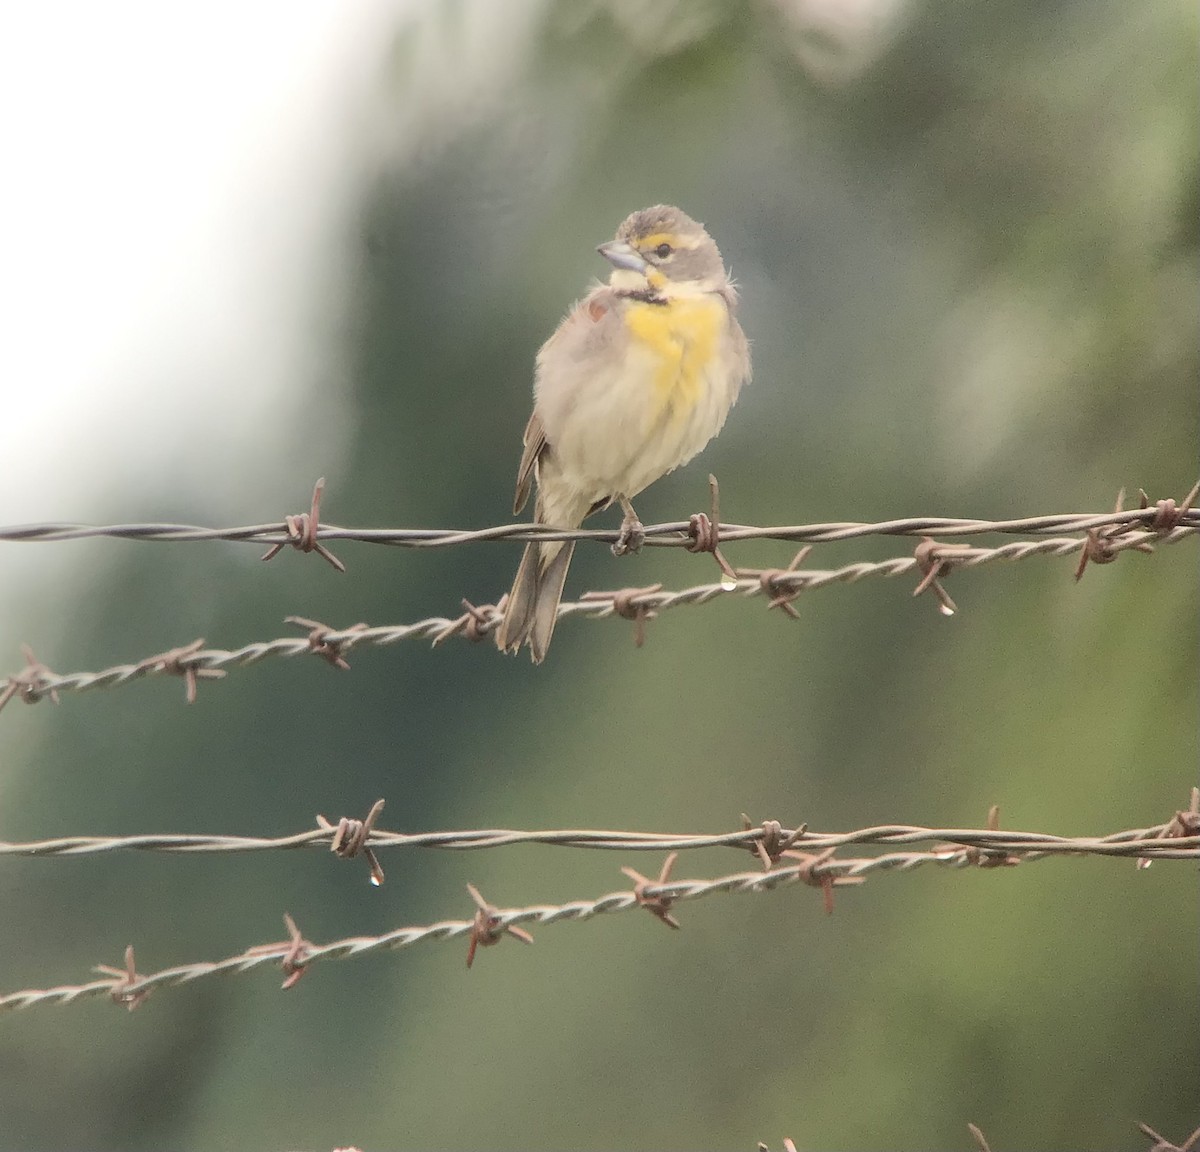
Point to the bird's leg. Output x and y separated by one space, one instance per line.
633 534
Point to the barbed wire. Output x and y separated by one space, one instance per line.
674 534
1104 537
1176 839
931 560
1161 1143
490 924
816 865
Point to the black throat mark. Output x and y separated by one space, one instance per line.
645 295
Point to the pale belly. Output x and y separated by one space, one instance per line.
627 429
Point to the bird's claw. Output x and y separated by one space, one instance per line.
631 538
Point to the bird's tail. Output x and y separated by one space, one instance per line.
532 608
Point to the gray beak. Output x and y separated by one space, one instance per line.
621 255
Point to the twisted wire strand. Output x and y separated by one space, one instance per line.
672 534
1134 842
674 891
627 603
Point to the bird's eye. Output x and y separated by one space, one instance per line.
663 251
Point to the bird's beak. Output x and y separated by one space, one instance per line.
622 255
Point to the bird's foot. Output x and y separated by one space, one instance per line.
633 532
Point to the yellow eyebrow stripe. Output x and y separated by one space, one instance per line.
672 238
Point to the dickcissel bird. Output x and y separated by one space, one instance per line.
637 378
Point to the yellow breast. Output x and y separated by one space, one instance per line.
683 337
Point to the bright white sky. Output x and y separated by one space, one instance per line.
173 179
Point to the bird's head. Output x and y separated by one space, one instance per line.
662 249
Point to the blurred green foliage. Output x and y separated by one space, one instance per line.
969 273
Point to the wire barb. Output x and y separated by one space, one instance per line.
325 641
1167 514
773 582
124 989
1183 825
475 623
656 903
175 662
982 856
489 926
295 953
772 841
1099 544
33 682
935 561
1162 1144
704 535
978 1137
815 874
303 530
629 604
349 838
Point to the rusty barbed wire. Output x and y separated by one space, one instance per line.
1162 1144
348 837
931 561
297 954
1175 839
979 1138
302 532
306 534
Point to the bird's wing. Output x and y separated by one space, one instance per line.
585 331
535 445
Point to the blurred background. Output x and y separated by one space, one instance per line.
246 245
